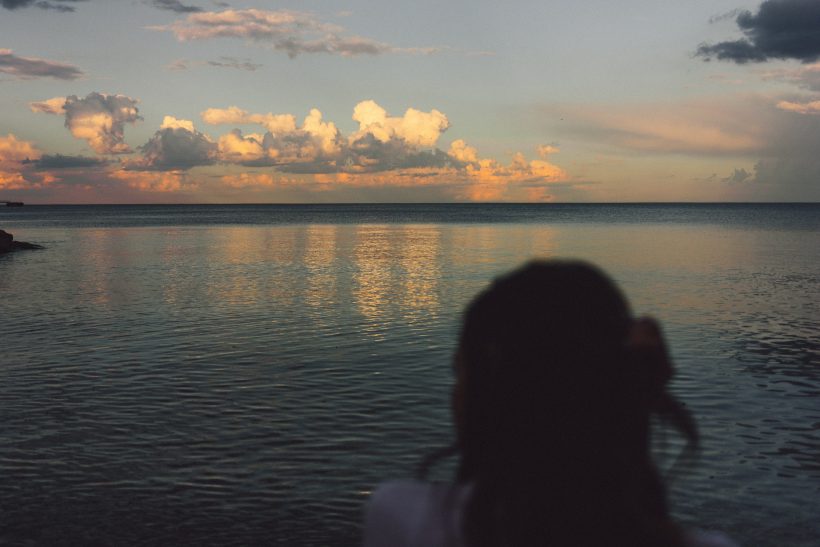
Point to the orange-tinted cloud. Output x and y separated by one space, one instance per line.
97 118
275 123
16 165
153 181
721 126
811 107
13 149
384 152
291 32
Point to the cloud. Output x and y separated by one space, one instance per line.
56 5
14 150
32 67
180 64
170 122
463 153
811 107
382 142
806 77
291 32
463 176
545 150
98 118
233 62
175 6
15 174
738 176
236 148
59 161
416 128
315 146
275 123
494 181
787 178
731 14
719 126
245 180
299 159
384 150
162 182
176 146
222 62
781 29
50 106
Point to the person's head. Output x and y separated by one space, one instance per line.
556 383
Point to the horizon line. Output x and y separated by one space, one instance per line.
460 203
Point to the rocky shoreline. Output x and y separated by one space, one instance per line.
7 244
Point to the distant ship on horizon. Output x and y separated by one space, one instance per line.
14 203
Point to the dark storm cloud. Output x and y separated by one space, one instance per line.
175 6
59 161
57 5
369 154
31 67
781 29
175 148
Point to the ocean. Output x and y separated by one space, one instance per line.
237 375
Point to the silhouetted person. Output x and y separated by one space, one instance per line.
556 383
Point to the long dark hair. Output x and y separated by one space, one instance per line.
552 409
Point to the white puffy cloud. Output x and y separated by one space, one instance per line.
461 152
236 148
405 146
98 118
416 128
170 122
325 134
384 151
312 146
275 123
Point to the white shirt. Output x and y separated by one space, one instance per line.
418 514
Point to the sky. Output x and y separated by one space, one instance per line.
319 101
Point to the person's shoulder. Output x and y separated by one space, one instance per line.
402 499
701 538
402 512
400 492
391 512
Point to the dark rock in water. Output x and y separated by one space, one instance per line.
7 243
21 245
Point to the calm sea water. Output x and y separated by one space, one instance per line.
247 374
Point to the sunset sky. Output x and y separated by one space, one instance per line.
203 101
